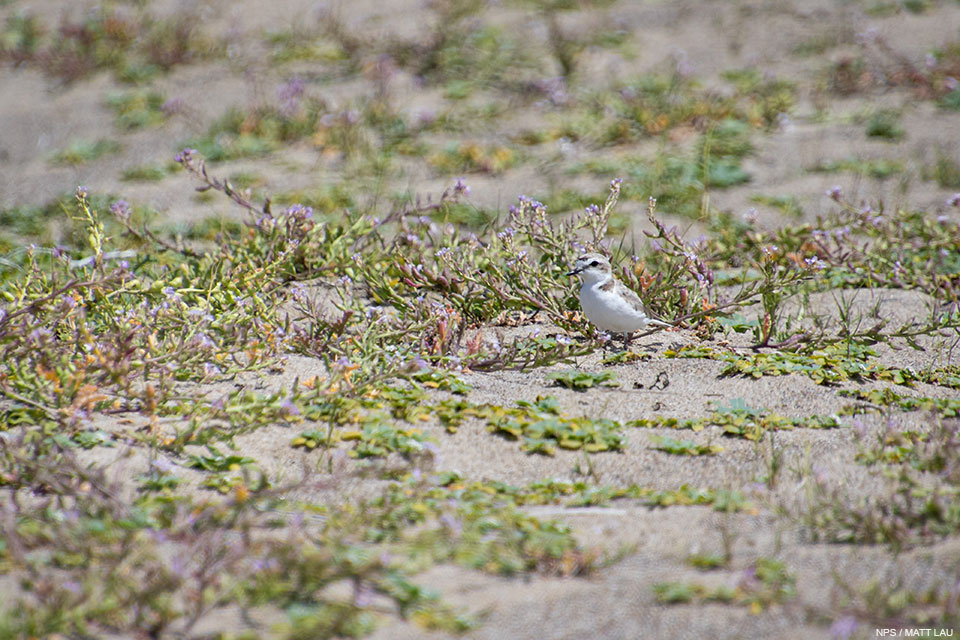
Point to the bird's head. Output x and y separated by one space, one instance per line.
591 267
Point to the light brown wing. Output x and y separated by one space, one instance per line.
631 297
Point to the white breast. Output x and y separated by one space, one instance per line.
609 311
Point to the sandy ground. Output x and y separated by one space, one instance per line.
39 116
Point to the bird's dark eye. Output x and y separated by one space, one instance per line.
594 264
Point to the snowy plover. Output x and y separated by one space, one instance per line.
607 302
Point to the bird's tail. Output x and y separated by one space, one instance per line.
658 323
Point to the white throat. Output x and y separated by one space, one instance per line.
592 278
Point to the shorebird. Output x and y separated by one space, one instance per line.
607 302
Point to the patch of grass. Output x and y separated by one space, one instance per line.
738 420
880 399
788 205
945 171
466 214
680 183
217 461
707 561
469 157
583 380
916 503
84 151
21 37
581 494
880 169
885 124
831 365
622 357
889 601
332 198
763 99
818 44
135 44
137 108
542 427
44 222
916 6
303 44
377 440
951 100
462 56
147 172
683 447
766 583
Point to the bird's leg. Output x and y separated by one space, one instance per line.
627 337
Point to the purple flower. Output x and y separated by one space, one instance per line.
748 579
461 188
814 263
593 210
844 628
835 193
294 88
288 409
682 64
954 200
121 209
173 106
203 341
859 428
299 211
264 564
81 192
290 95
184 156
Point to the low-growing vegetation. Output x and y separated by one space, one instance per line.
307 351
